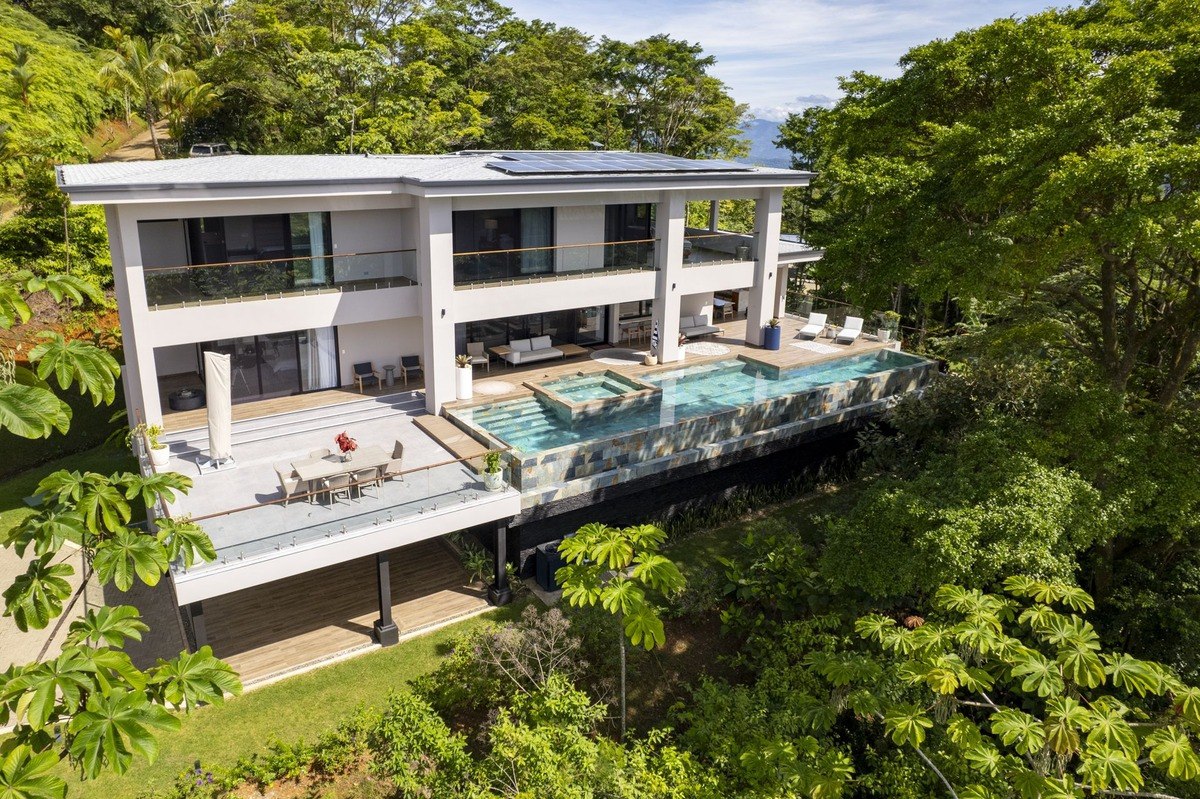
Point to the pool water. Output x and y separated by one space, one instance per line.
530 425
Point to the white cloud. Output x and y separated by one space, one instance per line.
775 53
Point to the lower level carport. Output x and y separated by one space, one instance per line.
285 625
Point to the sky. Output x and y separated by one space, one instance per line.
780 56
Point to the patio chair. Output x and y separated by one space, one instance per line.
477 355
317 454
394 466
365 376
337 485
851 330
815 326
289 482
410 364
366 478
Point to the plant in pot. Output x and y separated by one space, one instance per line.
493 475
159 454
346 444
889 323
772 335
462 377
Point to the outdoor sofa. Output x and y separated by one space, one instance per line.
694 326
529 350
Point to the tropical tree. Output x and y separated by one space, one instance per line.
616 567
89 704
144 72
1024 700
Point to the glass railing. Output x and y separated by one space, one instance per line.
702 248
279 277
533 264
253 531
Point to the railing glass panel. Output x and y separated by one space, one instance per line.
186 285
500 267
711 249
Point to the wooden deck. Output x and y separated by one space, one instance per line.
284 625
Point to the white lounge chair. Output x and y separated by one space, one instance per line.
815 326
851 330
477 355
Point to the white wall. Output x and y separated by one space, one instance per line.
163 243
579 224
695 304
381 343
471 305
177 360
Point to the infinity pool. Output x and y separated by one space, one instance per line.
531 425
589 387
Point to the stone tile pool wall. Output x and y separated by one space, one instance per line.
542 470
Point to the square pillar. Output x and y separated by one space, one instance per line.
385 630
668 260
499 592
139 376
768 211
435 266
195 613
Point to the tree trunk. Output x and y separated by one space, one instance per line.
150 118
621 632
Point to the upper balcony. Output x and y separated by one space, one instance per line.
202 284
489 268
709 248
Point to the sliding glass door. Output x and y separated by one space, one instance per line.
280 364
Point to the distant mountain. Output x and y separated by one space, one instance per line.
761 133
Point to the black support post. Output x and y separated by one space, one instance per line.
499 593
386 632
196 617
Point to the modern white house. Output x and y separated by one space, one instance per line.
306 269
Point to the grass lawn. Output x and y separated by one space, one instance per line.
13 490
296 708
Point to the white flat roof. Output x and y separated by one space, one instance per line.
466 169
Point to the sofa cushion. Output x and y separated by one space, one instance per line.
521 345
686 321
540 343
700 320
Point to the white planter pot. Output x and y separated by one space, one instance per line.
462 382
649 360
160 457
493 481
883 334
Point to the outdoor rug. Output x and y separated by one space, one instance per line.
492 388
705 348
618 356
814 346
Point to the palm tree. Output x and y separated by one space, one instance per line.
143 71
185 97
21 73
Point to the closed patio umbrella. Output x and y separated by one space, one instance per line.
220 411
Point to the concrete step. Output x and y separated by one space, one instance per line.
301 421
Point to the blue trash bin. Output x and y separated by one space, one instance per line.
549 561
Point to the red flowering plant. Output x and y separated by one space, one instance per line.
345 442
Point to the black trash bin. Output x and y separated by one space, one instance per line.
549 561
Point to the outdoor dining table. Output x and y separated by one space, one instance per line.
312 469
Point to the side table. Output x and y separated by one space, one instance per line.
389 377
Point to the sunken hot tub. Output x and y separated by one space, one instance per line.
589 394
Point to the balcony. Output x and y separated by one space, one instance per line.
712 249
535 264
201 284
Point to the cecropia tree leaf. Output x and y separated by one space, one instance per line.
36 596
113 728
128 553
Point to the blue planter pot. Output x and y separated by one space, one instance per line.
772 337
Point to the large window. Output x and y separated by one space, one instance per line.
262 237
280 364
503 243
581 326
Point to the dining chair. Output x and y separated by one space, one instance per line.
337 485
410 364
366 478
317 454
289 482
395 465
365 376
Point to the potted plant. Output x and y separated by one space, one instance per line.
493 475
649 359
346 444
462 376
889 323
772 335
160 456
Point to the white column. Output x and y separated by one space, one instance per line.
782 273
435 260
668 259
613 334
138 374
768 210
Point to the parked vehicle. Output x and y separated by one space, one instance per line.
210 148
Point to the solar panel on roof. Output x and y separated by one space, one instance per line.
570 163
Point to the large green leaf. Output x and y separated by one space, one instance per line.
907 724
159 484
111 626
1133 675
113 728
646 537
40 688
47 531
64 286
581 584
1171 747
1082 666
36 596
612 548
103 505
183 539
25 775
31 412
77 361
621 595
658 572
1042 675
644 628
1187 704
130 553
194 679
1065 719
1019 730
1103 769
1110 730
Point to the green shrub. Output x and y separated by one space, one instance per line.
416 750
